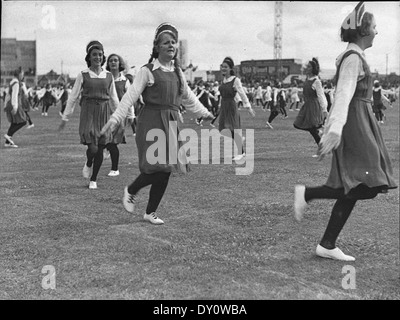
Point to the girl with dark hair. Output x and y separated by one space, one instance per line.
98 99
360 167
26 104
13 108
277 101
115 64
164 89
314 110
63 97
48 99
229 117
378 97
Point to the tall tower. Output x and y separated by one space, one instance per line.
278 37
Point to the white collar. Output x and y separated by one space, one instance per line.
225 80
102 73
121 77
157 65
355 47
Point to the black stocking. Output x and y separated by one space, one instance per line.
158 182
340 213
114 154
98 161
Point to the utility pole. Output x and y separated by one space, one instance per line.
278 37
387 55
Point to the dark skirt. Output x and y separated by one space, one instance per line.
229 117
19 117
361 164
94 115
310 115
158 147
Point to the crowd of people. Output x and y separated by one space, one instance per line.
156 96
278 99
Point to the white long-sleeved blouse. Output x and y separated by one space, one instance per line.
121 77
145 78
76 91
317 86
14 83
351 71
237 85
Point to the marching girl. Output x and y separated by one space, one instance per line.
13 108
258 94
294 97
26 104
115 64
48 99
164 89
216 97
215 102
282 102
229 117
276 104
360 167
314 110
378 98
204 96
63 97
267 97
98 99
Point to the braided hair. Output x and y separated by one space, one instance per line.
314 66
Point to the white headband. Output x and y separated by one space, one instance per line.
354 19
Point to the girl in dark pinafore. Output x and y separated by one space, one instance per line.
115 64
361 166
164 89
13 108
229 117
378 97
99 100
314 110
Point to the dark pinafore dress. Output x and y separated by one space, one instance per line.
378 104
119 134
95 109
229 117
310 115
361 164
20 115
157 126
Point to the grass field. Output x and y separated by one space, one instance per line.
225 236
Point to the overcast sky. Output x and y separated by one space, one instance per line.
243 30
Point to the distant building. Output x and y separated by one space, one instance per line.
18 54
193 76
258 70
53 78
